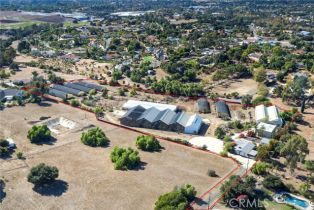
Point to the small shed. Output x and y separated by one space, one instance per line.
266 130
202 105
223 110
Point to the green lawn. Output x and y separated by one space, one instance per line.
18 25
148 58
71 24
270 205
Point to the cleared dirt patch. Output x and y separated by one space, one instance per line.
87 177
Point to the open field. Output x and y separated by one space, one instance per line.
87 179
20 19
242 86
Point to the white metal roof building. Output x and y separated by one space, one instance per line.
145 104
266 130
268 115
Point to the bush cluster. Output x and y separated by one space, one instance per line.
147 143
39 133
124 159
94 137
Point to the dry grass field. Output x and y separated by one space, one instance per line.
87 179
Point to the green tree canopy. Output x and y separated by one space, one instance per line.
178 199
42 174
39 133
294 151
94 137
147 143
124 159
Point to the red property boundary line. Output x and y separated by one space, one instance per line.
146 133
164 139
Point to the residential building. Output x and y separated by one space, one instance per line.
10 94
165 119
268 115
245 148
266 130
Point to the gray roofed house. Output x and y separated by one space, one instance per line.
151 115
183 118
90 85
245 148
57 93
78 87
203 105
68 90
223 110
9 94
130 118
166 119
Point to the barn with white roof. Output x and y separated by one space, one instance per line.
268 115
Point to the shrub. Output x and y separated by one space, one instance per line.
124 158
211 173
94 137
147 143
19 155
272 182
3 151
260 100
39 133
42 174
178 199
224 153
74 103
260 168
227 139
220 133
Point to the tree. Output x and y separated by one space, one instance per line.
178 199
42 174
262 90
294 151
309 165
124 159
94 137
74 103
272 182
246 100
237 186
4 144
53 78
39 133
260 168
24 47
260 74
220 133
295 90
211 173
304 188
147 143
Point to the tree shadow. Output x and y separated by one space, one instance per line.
51 141
2 193
200 202
44 104
140 166
57 188
302 177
